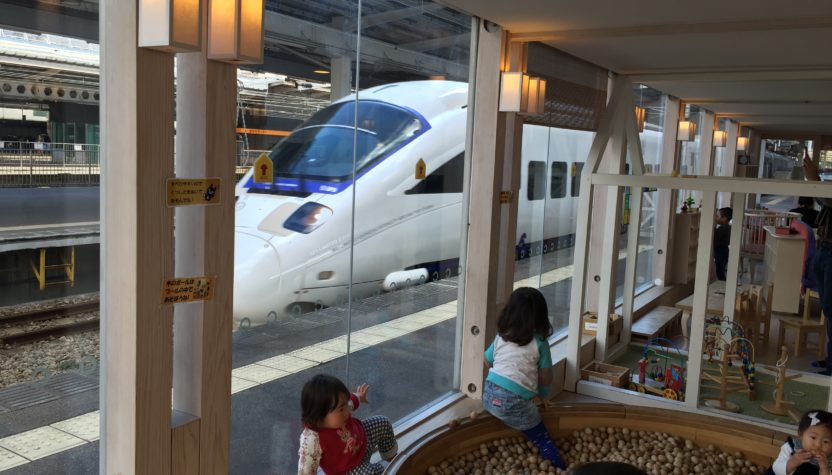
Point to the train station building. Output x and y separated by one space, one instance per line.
209 204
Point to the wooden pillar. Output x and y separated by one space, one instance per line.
136 250
495 162
206 106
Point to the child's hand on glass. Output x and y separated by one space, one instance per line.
361 392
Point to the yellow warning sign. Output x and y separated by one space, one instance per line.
187 289
421 169
263 169
193 191
574 169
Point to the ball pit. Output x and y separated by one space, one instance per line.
661 442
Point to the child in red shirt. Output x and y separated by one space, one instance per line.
334 440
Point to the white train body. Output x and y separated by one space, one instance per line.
292 249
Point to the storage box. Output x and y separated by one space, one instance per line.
603 373
589 326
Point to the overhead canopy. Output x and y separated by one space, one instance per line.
766 64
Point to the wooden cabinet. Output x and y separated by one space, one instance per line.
685 244
783 266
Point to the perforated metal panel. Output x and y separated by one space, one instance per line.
576 91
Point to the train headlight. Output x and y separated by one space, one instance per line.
308 218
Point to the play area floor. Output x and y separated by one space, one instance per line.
806 395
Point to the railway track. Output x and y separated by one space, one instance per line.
63 319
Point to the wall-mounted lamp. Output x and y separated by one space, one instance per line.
235 31
687 130
170 25
720 137
742 144
514 91
641 117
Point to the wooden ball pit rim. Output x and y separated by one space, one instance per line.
757 444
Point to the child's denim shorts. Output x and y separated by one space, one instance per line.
513 410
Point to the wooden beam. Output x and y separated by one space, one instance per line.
732 184
185 447
487 144
215 438
137 249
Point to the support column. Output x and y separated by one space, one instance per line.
665 207
137 247
700 299
340 74
495 162
730 158
206 105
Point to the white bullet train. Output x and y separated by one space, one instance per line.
293 235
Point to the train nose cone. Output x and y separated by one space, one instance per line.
256 280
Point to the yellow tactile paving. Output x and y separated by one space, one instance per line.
316 353
407 324
368 338
85 426
385 330
288 363
240 384
258 374
10 460
340 345
40 442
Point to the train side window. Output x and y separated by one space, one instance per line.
537 181
557 188
576 178
445 179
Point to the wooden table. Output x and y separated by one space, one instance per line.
715 305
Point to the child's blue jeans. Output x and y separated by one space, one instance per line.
515 411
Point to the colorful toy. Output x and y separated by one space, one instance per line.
725 341
657 373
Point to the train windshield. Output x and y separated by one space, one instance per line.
322 148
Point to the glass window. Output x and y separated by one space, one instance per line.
577 168
445 179
558 180
536 181
49 382
545 236
339 276
323 147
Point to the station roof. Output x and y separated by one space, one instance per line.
763 63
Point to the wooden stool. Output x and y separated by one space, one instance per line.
803 328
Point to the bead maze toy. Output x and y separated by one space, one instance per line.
658 372
780 407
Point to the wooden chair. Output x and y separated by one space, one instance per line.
761 298
803 328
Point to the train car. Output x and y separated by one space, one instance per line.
292 248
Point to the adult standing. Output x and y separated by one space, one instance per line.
822 262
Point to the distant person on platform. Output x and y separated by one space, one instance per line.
806 208
722 238
822 262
